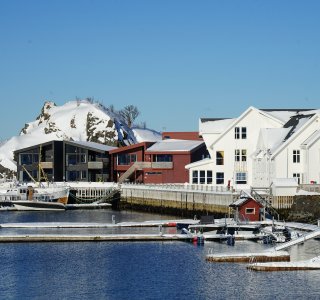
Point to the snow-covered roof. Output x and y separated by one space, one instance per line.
174 145
284 115
239 202
271 138
213 125
311 139
146 135
94 145
285 182
199 163
295 123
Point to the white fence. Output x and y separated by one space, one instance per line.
208 195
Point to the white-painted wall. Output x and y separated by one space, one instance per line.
253 121
309 160
263 170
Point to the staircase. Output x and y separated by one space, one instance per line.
138 165
265 202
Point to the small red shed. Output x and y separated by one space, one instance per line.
247 209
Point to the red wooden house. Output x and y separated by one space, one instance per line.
246 208
156 162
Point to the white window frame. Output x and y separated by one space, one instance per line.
250 213
296 156
241 178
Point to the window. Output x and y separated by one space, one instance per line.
237 133
219 178
243 133
162 158
209 177
240 155
126 159
241 178
202 178
243 155
250 211
29 158
296 156
195 177
297 177
237 155
219 158
240 133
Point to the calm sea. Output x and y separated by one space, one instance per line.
139 270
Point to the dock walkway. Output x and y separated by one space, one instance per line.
164 223
299 240
92 238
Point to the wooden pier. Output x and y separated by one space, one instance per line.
312 264
157 223
267 256
92 238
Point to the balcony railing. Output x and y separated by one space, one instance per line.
95 164
240 166
46 164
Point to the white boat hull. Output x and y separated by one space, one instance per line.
38 205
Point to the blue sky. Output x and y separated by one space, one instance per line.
176 60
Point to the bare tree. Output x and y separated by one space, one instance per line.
111 108
129 113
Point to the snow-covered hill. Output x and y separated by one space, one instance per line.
79 120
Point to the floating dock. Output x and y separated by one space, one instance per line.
312 264
267 256
93 238
157 223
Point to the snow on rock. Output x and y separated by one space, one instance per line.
79 120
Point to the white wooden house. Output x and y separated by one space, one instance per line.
259 146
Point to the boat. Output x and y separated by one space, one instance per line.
28 197
279 234
226 232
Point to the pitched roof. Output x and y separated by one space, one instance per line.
213 125
284 114
237 120
171 145
311 139
295 123
199 163
92 145
285 182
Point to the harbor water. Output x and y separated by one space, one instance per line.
138 270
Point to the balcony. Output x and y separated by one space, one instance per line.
162 165
95 165
46 164
240 166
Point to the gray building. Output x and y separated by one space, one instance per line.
64 161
